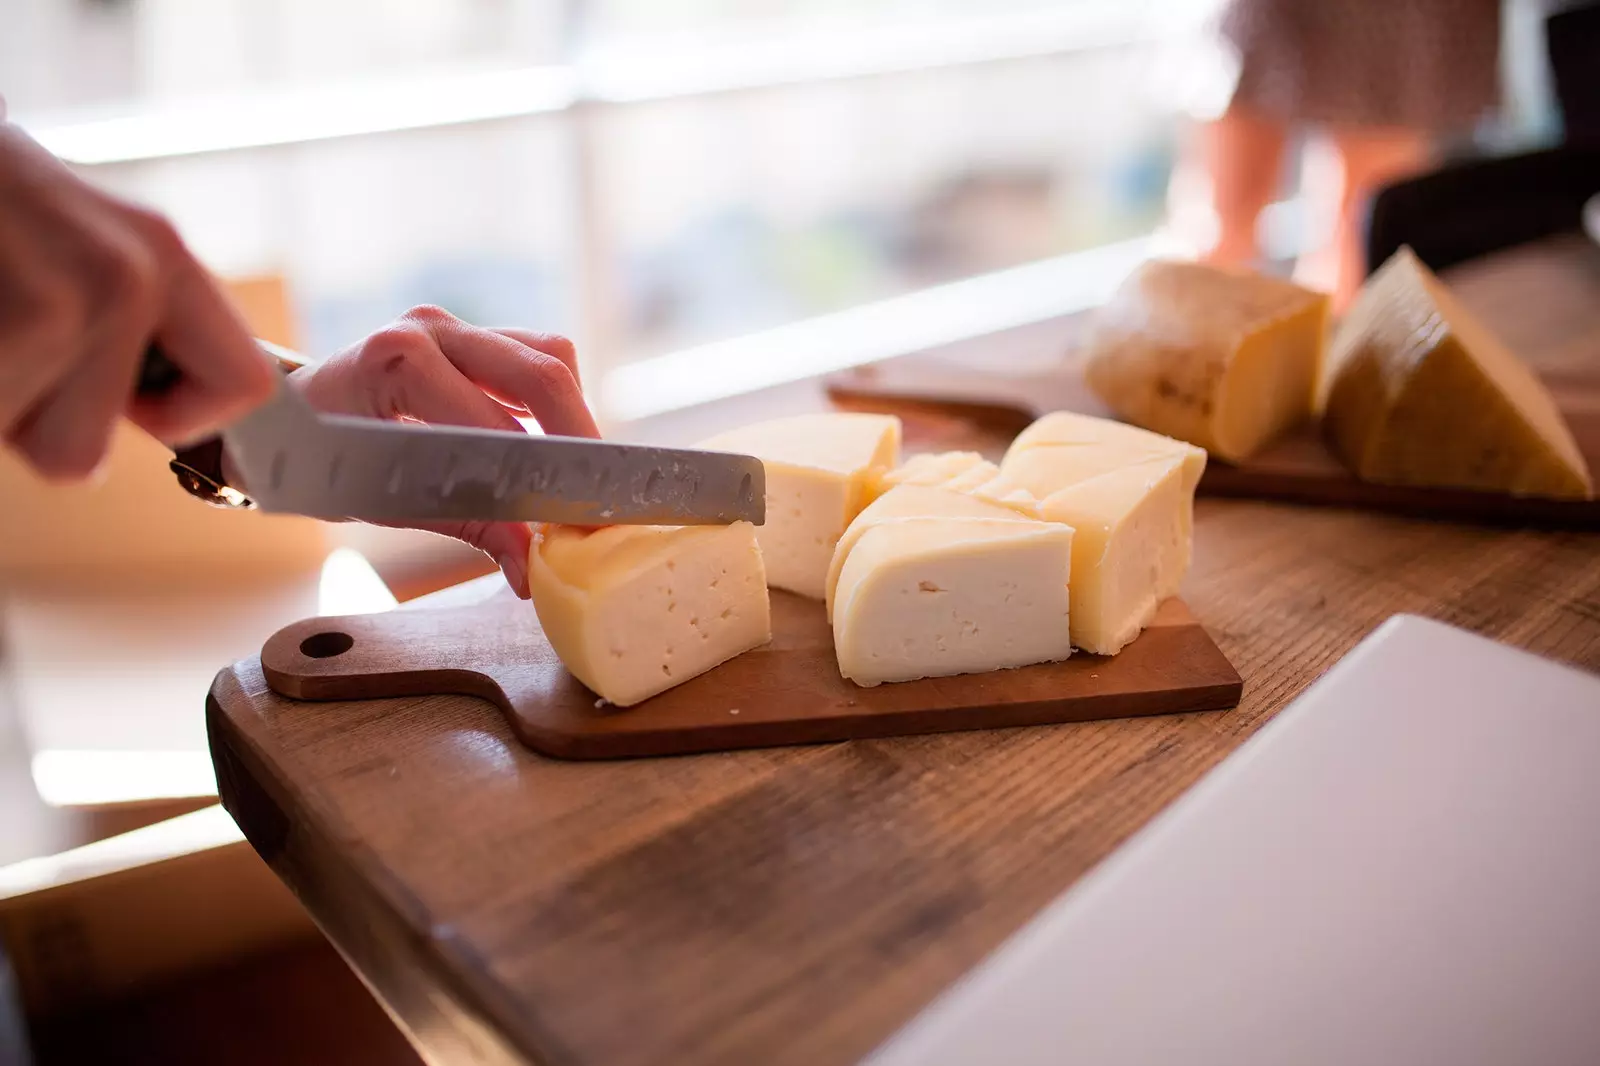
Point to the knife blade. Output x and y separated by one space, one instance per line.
295 459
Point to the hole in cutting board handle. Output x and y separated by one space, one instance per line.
326 645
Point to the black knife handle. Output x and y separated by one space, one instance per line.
158 375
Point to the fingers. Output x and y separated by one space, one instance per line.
403 371
540 383
224 374
550 344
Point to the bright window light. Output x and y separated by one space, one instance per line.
66 778
349 585
927 318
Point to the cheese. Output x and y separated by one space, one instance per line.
935 468
1064 448
913 501
1421 393
1132 535
821 470
1225 360
634 610
930 597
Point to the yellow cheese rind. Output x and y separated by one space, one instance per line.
1132 542
632 611
912 501
1421 393
932 597
821 471
1226 360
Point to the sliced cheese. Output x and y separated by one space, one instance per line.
1421 393
634 610
1064 448
931 597
1132 535
912 501
933 468
821 470
1225 360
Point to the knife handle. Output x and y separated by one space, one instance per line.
158 375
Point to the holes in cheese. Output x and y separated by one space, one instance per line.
634 610
821 470
1421 393
1225 360
931 597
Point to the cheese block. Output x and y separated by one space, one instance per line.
1064 448
914 501
821 471
935 468
634 610
1225 360
1132 534
931 597
1421 393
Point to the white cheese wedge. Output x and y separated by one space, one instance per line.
1065 448
634 610
1132 535
913 501
931 597
821 471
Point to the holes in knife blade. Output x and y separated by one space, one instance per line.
326 645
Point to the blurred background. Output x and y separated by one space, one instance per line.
712 197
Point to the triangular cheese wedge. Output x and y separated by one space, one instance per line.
1421 393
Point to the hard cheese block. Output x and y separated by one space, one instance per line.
1420 393
931 597
634 610
1129 497
821 471
1227 361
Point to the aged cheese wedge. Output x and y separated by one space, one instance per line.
1064 448
1133 530
635 610
930 597
1421 393
914 501
821 470
1225 360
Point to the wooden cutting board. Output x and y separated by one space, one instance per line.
788 692
1298 469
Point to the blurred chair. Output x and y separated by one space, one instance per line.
1476 206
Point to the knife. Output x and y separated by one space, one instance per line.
295 459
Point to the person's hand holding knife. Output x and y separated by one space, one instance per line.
89 283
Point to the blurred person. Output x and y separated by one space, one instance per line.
89 282
1381 80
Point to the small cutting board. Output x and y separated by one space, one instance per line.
1298 469
787 692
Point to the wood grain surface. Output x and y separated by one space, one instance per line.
796 905
1299 468
785 692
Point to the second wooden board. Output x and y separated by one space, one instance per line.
1298 469
787 692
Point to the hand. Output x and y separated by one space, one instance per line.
86 283
432 367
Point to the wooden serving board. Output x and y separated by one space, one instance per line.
1298 469
788 692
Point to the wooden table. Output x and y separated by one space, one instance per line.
798 905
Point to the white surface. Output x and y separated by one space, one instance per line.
1400 868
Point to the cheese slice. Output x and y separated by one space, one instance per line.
934 468
1421 393
931 597
821 471
1132 534
1064 448
1225 360
634 610
913 501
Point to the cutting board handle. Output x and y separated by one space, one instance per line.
397 653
